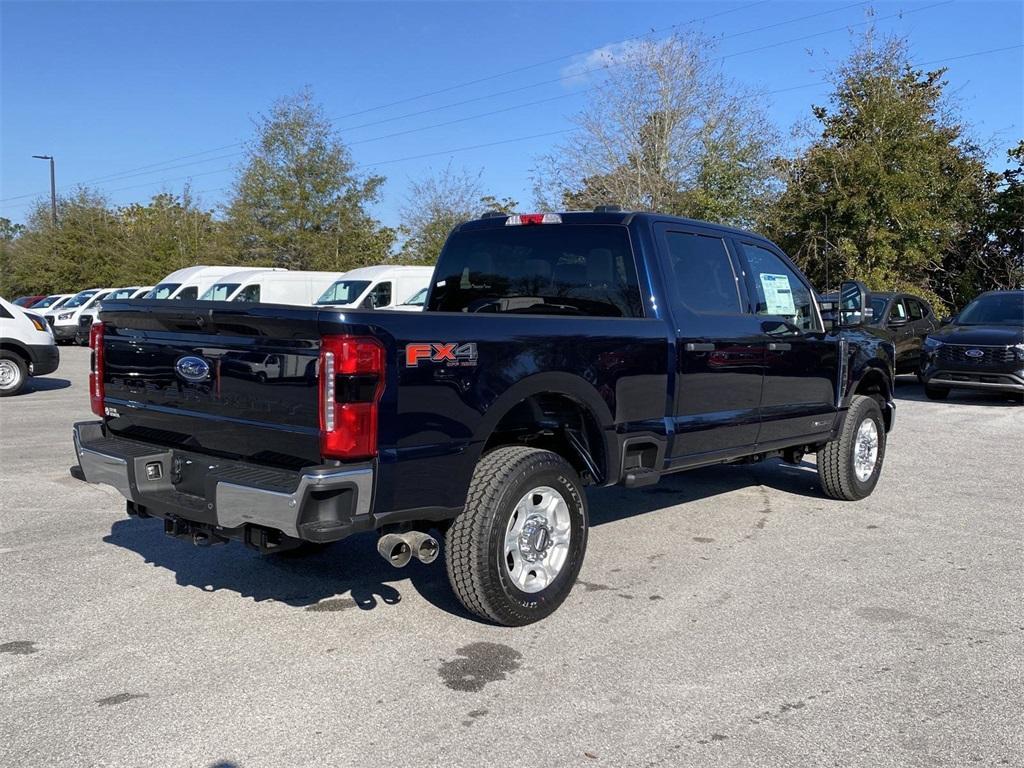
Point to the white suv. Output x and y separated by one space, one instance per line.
26 348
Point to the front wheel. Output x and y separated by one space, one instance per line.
850 465
513 554
13 374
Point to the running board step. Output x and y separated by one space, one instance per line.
638 478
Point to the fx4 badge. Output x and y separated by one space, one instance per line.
451 354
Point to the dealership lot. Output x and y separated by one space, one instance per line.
729 616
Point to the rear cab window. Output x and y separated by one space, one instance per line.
545 269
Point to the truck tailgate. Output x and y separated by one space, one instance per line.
239 383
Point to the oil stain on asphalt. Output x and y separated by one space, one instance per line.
19 647
120 698
479 664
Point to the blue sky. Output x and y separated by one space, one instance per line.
123 93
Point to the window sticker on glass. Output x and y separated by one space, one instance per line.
778 296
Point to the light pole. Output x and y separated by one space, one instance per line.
53 188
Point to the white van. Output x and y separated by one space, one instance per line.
376 287
130 292
271 286
26 348
189 283
64 320
51 302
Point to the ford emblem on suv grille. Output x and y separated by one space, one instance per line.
974 353
193 369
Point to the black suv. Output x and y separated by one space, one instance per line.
982 348
905 319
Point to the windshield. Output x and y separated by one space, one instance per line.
162 291
122 293
545 269
994 309
877 309
49 301
79 299
418 299
219 292
343 292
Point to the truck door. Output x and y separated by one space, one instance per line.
718 345
801 362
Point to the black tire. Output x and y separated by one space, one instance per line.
836 461
936 393
475 542
261 377
17 370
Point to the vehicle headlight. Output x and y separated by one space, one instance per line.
65 316
931 344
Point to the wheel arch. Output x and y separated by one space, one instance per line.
560 412
875 383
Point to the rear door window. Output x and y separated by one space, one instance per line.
702 274
915 309
549 269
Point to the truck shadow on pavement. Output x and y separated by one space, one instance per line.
351 575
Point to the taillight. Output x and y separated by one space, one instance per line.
96 369
351 383
521 219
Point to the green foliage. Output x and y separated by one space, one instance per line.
891 178
299 202
95 245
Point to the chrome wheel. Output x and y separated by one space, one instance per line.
537 539
10 374
865 450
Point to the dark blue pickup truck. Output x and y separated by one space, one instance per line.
557 351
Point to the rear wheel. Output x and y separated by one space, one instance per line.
513 554
13 373
936 393
850 465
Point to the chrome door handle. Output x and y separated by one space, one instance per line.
699 347
779 346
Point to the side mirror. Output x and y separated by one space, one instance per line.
853 304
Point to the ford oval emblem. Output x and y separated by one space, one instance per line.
974 353
192 368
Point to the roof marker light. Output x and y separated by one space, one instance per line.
521 219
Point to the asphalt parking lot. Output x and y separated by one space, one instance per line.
729 616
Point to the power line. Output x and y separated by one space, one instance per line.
130 172
524 138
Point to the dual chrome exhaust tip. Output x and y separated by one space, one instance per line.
399 548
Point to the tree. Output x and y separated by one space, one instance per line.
299 201
664 130
890 185
169 233
433 206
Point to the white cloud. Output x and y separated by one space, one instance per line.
585 67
